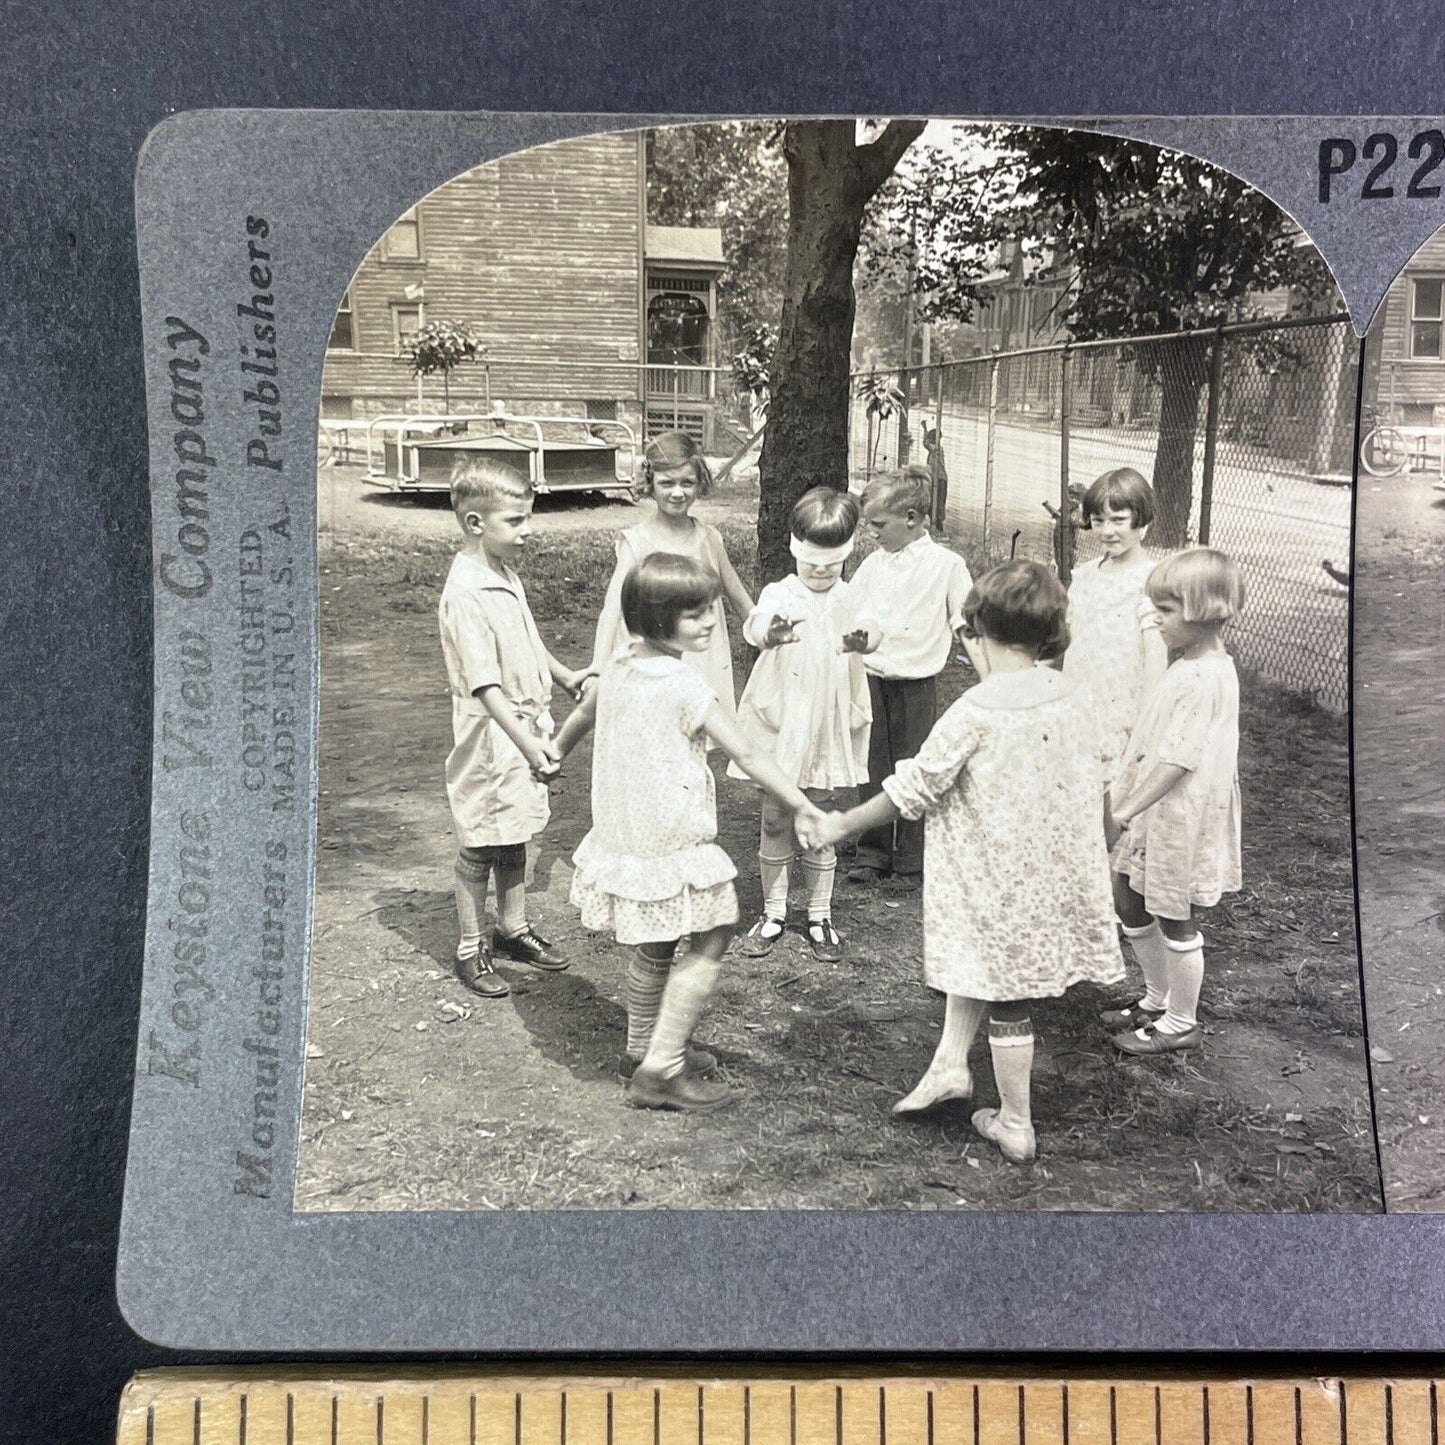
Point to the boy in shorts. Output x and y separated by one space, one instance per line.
501 677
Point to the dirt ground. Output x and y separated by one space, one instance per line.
420 1095
1400 824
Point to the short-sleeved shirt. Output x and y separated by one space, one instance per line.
915 598
1184 851
489 639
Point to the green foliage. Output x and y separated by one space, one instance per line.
730 175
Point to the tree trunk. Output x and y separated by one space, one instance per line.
830 181
1183 369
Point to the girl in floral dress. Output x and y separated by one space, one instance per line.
1115 655
806 706
676 474
650 870
1016 902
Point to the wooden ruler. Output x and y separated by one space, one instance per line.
757 1407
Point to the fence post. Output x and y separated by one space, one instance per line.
904 440
1066 520
936 461
988 454
1211 434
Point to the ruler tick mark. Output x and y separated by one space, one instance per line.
1158 1418
150 1425
1023 1428
1064 1414
882 1416
1113 1419
699 1416
975 1415
792 1415
517 1418
380 1420
1249 1415
930 1419
656 1419
609 1419
335 1414
1205 1409
290 1418
243 1420
1434 1416
426 1420
196 1425
747 1416
564 1418
1299 1424
472 1422
1344 1415
838 1414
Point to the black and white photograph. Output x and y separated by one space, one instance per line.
1399 711
835 684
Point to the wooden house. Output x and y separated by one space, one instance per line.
1405 351
582 308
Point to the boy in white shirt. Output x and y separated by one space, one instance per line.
906 601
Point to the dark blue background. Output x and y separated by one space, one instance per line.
82 86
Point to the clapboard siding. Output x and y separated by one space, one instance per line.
1405 382
542 254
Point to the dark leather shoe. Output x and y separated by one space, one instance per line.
529 947
685 1092
476 973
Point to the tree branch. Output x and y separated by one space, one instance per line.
877 159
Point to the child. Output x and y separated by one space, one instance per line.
1116 655
1173 821
908 596
651 869
501 678
1016 898
805 706
676 474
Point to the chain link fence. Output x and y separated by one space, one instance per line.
1246 432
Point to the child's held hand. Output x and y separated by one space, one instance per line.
861 639
546 761
579 684
781 631
1113 828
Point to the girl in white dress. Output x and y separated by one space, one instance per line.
676 474
1016 899
650 870
1116 654
806 706
1173 810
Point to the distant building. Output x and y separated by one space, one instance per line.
584 309
1405 351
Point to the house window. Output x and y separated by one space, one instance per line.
343 333
1426 316
403 241
406 321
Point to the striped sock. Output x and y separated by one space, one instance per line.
646 979
471 891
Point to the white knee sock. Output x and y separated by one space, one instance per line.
819 869
948 1076
1186 974
1153 959
775 885
689 986
1012 1046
